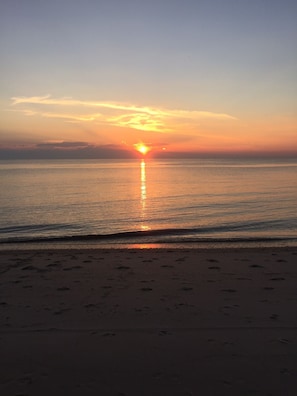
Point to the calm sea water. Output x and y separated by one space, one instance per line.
182 201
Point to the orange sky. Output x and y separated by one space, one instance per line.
212 77
56 120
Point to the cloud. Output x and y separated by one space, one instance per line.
63 145
64 150
143 118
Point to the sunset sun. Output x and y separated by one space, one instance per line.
142 148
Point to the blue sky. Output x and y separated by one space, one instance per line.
232 58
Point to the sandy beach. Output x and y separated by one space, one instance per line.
127 322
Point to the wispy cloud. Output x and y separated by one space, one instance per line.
142 118
63 145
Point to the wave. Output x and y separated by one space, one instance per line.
62 230
34 228
90 237
166 235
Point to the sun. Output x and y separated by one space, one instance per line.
142 148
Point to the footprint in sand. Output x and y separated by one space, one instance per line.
122 267
147 281
108 335
277 279
61 311
28 380
164 333
256 266
57 264
284 340
72 268
90 305
29 268
186 288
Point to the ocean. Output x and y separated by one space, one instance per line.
148 202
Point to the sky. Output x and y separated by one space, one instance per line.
93 78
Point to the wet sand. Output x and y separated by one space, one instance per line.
122 322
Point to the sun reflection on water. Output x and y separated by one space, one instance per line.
143 183
143 195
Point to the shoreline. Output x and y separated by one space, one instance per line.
201 245
51 247
169 321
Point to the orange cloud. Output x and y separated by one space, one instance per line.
141 118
